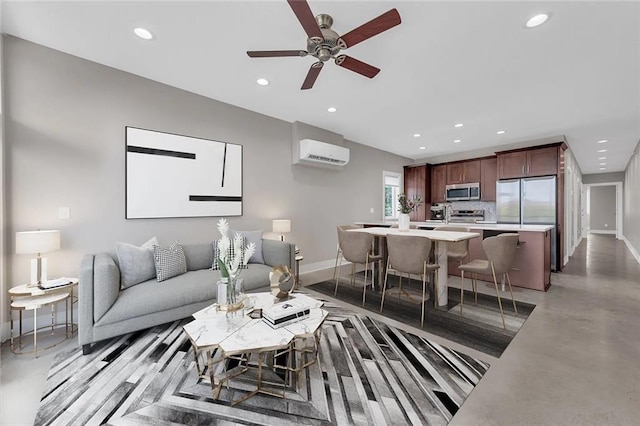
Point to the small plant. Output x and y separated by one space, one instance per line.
408 205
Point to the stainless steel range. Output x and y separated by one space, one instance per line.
466 216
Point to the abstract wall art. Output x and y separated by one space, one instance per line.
170 175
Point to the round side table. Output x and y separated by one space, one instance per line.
33 303
299 258
31 298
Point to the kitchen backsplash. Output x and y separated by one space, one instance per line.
489 208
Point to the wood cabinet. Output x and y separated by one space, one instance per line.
438 183
528 163
488 178
417 182
463 172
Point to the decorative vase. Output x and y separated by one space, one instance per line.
231 293
403 222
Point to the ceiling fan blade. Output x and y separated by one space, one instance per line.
275 53
374 27
357 66
312 75
305 16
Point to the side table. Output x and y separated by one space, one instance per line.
299 258
31 298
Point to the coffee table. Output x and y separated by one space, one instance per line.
218 337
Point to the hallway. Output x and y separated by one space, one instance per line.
575 360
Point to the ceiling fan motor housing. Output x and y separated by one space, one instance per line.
327 47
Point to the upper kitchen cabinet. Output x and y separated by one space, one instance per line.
438 183
463 172
417 182
528 163
488 178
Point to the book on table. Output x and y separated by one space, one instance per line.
58 282
285 313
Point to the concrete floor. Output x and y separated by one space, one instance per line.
575 360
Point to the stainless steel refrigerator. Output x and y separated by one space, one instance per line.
530 201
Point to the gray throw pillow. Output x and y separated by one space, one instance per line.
136 263
170 261
252 237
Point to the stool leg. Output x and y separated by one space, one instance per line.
461 290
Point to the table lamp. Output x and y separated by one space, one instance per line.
281 226
37 242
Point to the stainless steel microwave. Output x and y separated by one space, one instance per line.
463 192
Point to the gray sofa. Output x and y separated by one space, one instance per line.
106 311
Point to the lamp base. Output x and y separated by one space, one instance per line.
38 271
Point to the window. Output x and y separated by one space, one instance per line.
391 188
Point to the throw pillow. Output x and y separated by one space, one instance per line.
170 261
136 263
230 253
256 238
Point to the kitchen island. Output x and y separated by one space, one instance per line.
532 265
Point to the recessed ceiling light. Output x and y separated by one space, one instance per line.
603 141
602 150
457 141
416 135
603 168
143 33
537 20
603 164
423 147
458 125
602 158
501 132
262 82
332 109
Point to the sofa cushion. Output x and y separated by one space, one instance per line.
254 237
136 263
149 297
170 261
199 256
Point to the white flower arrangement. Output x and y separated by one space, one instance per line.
230 265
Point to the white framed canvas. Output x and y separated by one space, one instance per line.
170 175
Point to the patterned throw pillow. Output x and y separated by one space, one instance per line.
231 254
254 237
170 261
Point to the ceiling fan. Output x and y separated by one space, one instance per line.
324 43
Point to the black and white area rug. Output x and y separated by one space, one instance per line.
479 327
367 373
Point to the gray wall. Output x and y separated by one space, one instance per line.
65 120
631 227
603 178
602 208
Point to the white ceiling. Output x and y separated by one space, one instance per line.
577 75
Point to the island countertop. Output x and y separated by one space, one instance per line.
480 226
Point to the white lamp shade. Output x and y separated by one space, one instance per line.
31 242
281 226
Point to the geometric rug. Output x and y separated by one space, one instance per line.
367 373
479 327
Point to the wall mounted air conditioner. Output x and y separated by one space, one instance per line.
318 153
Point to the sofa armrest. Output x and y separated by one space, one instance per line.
85 300
106 284
278 253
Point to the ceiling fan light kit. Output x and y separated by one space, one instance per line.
323 43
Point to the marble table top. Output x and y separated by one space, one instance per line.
236 332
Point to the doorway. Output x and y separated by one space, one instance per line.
602 209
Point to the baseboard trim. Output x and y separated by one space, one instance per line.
631 249
602 231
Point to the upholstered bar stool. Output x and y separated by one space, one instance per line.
410 254
500 251
357 247
458 251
